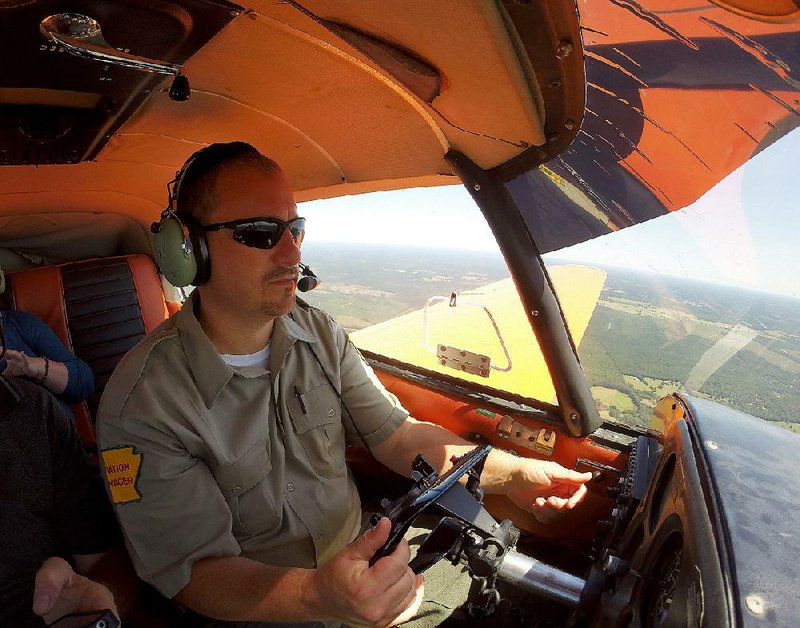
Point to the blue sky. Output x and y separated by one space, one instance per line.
745 231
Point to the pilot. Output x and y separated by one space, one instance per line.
223 433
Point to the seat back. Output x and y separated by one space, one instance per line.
99 309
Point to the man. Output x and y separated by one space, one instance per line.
52 505
223 433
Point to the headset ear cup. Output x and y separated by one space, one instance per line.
175 252
202 259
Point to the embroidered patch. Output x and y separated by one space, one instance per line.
122 466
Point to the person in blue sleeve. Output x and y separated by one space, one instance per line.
34 351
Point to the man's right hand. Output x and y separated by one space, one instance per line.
347 589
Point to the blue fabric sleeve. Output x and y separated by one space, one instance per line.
44 342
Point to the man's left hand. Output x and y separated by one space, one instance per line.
543 487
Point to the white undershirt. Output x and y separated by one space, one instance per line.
259 358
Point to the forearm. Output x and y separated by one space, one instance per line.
52 374
438 446
240 589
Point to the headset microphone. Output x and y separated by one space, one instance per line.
308 281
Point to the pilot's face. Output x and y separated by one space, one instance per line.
254 281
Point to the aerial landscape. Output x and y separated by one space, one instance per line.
649 334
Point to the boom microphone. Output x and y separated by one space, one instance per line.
308 281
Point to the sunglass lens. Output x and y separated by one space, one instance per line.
298 230
259 235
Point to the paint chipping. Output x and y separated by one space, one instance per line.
775 99
628 57
757 51
743 130
622 136
595 31
652 121
650 17
616 66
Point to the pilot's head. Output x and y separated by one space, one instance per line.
245 206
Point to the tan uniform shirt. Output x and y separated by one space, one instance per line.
204 460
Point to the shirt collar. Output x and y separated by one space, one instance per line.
206 364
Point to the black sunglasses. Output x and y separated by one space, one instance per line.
261 233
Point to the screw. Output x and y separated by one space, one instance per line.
564 49
569 125
755 604
444 362
573 416
534 313
476 187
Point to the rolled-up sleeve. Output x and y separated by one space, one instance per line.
170 508
376 411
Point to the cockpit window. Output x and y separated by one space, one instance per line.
417 276
705 300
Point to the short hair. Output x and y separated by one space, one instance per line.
195 184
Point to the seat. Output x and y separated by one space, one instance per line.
99 308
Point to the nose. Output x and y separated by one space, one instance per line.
286 252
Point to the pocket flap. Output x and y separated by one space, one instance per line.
315 408
243 474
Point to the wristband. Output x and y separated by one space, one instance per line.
43 378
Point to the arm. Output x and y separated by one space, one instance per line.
529 483
346 589
68 376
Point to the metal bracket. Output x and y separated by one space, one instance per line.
461 359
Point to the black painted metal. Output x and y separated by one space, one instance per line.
754 470
577 408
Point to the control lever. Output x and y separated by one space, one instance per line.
429 488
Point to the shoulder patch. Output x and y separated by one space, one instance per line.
122 469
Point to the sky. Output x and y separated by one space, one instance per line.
745 231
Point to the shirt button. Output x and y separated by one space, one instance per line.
331 413
235 490
290 487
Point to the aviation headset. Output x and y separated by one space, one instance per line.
181 248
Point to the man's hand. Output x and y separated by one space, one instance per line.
544 488
60 591
347 589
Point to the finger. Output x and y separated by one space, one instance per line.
390 569
568 475
368 543
556 502
400 595
577 498
411 607
52 577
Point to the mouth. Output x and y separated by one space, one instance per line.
284 280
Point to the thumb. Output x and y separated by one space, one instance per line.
51 579
369 542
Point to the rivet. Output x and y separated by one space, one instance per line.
573 416
554 83
542 154
443 362
534 312
564 49
553 137
711 444
476 187
569 125
755 604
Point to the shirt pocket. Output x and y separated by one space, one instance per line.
317 419
242 485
